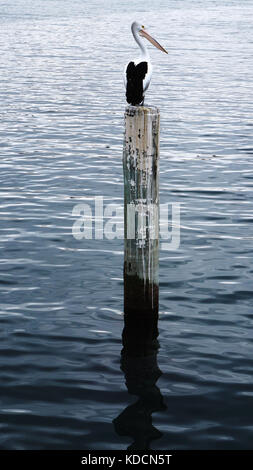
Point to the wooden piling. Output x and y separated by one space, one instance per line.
141 209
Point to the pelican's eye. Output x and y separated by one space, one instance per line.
143 27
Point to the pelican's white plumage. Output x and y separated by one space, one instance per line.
138 72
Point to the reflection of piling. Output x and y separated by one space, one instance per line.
139 364
141 214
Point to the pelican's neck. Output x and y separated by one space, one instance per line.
140 42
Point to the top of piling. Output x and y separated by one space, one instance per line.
140 110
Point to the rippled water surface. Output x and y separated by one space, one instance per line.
61 299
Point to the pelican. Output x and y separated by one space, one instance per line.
138 72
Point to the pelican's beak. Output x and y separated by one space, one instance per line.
152 40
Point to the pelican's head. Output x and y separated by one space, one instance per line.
140 29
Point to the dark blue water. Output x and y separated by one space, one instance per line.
63 384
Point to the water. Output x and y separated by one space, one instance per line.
61 300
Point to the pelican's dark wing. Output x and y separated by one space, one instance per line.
135 75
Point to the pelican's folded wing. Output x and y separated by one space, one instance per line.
135 75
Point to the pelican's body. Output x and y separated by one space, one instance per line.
138 72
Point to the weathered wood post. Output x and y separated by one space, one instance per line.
141 263
141 210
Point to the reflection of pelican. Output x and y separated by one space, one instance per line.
139 364
138 72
